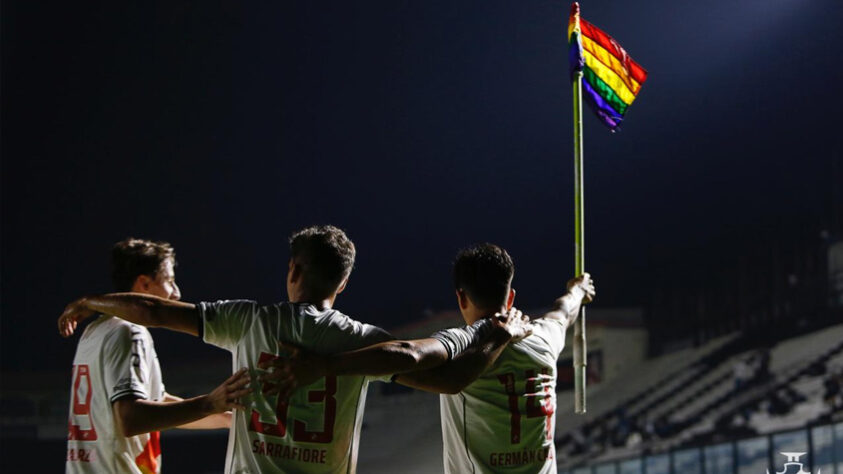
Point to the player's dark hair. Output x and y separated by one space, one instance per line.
484 272
132 258
327 256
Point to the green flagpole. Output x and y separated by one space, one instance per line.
579 249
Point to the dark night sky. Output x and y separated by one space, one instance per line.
419 127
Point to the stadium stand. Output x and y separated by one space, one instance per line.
792 384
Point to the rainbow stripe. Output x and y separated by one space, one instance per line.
611 79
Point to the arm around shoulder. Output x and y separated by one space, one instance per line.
137 308
301 367
472 359
483 340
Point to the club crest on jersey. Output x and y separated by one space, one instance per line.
793 466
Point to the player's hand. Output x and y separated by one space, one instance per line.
227 395
72 315
516 323
582 287
287 373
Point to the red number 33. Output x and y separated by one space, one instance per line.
300 432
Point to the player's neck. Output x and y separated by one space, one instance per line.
321 303
473 314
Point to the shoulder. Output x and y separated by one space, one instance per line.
226 310
116 333
346 324
227 305
546 332
549 324
347 321
334 319
115 327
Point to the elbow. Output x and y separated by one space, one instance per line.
424 354
416 355
410 353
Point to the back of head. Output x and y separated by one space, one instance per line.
484 272
132 258
326 255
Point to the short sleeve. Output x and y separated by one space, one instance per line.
552 331
224 323
126 368
457 340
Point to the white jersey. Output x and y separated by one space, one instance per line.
114 359
505 420
318 430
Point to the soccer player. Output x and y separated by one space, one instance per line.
317 429
504 420
118 402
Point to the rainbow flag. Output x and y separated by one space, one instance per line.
611 79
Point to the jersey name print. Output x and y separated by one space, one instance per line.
114 359
318 428
504 421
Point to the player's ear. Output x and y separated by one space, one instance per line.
141 284
510 300
293 272
462 299
342 285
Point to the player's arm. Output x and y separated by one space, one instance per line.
210 422
146 310
135 416
393 357
566 308
460 372
386 358
454 376
299 367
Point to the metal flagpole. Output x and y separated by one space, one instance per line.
579 249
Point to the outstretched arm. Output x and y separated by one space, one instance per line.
394 357
567 307
146 310
135 416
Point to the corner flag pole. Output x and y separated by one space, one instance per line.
579 249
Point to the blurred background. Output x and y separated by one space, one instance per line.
713 218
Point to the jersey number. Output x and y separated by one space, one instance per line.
81 405
300 432
537 406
